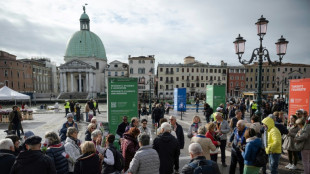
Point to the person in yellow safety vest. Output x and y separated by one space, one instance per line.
253 107
67 106
218 109
95 107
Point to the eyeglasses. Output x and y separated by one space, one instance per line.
144 123
93 128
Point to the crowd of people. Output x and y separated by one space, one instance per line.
254 145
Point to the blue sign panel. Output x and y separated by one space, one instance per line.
180 99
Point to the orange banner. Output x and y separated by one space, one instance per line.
299 95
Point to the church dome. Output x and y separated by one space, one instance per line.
85 43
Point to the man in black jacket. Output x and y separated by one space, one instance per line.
33 161
157 114
178 131
122 127
199 162
168 149
7 156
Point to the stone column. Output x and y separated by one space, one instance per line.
87 82
65 81
61 82
80 82
95 87
72 82
91 82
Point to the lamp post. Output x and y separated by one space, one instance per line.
260 54
150 92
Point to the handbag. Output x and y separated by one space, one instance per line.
286 142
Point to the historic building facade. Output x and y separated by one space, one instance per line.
83 74
15 74
192 75
117 69
142 67
235 81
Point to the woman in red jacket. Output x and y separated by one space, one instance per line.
212 135
130 145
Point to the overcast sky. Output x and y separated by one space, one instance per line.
168 29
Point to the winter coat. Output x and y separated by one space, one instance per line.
11 117
146 131
200 159
304 135
87 136
55 153
235 137
225 129
274 139
157 114
129 147
73 150
87 164
168 149
193 129
206 144
86 108
283 130
7 159
146 160
33 162
121 129
180 135
251 148
289 142
63 130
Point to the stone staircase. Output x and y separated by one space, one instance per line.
73 95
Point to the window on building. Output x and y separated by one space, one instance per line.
167 88
231 77
12 84
251 69
256 85
123 73
224 78
202 84
305 69
267 78
255 78
177 78
202 70
182 69
206 77
197 70
11 73
139 61
242 84
152 61
211 70
267 85
182 77
211 77
97 65
215 70
263 78
197 85
219 70
246 86
201 78
177 86
263 69
5 62
247 70
161 69
116 73
206 70
161 79
251 86
237 83
130 62
131 71
141 71
5 73
246 79
193 85
231 84
256 70
267 69
182 85
192 77
193 70
273 78
177 70
109 73
214 77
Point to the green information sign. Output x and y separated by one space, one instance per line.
122 100
216 95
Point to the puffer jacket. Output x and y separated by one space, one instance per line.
251 149
304 135
129 147
274 139
146 160
61 163
73 150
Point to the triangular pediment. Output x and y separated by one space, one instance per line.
76 64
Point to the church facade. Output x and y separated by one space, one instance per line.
83 73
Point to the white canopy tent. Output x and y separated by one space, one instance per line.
9 94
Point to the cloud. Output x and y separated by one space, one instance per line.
170 30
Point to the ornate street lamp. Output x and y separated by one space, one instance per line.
260 54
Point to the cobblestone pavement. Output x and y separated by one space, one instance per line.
45 121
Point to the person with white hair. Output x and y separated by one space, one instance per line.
66 125
238 145
198 162
96 137
7 157
168 149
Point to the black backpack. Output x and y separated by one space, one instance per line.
261 158
119 162
203 167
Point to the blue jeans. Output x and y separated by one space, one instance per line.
86 116
274 162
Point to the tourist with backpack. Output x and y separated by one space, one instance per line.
113 161
146 159
253 144
199 164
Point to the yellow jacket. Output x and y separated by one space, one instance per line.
274 140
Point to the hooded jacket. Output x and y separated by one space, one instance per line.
168 150
274 140
251 149
33 162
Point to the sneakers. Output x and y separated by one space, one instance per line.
293 167
288 166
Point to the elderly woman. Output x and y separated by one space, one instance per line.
205 142
193 128
66 125
89 161
144 129
130 145
55 150
96 137
72 147
90 128
213 137
288 143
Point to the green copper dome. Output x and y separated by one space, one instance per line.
85 43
